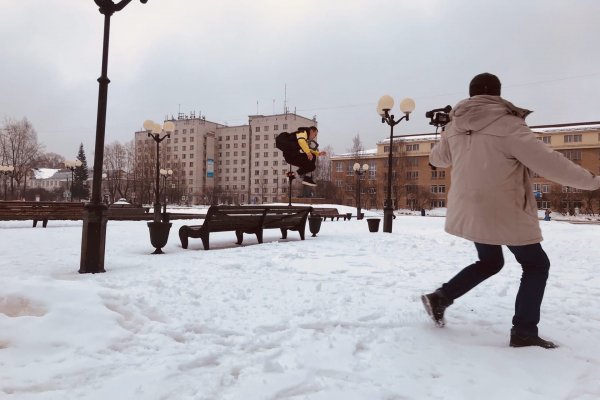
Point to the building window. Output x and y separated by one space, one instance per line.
412 147
275 127
438 203
412 161
412 175
547 139
573 155
257 129
572 138
436 174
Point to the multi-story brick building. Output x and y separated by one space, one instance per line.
214 163
415 184
580 143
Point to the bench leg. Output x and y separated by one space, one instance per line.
183 236
205 242
259 235
44 223
240 237
34 223
301 231
283 233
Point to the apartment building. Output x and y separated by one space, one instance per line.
580 143
189 152
416 185
214 163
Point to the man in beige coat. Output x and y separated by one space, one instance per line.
491 202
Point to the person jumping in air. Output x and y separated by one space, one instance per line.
301 149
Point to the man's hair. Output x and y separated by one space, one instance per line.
485 83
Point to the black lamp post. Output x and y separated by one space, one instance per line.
6 170
72 165
93 239
383 109
165 173
359 171
159 229
290 176
155 131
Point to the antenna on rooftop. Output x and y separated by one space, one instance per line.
285 99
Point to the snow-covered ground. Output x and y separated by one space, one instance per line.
334 317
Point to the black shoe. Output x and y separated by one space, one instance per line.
435 304
525 341
308 181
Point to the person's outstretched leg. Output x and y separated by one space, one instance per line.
535 265
490 263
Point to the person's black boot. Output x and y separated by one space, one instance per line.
435 304
525 341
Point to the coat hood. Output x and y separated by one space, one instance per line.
477 112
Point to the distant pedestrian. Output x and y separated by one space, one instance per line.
547 215
491 151
422 212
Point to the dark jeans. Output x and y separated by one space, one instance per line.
301 161
535 265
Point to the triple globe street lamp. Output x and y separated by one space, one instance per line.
359 171
158 133
384 106
72 165
159 228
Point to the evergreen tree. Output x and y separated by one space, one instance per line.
81 188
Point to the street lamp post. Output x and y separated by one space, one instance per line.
165 173
72 165
290 176
155 131
6 170
93 241
359 171
384 106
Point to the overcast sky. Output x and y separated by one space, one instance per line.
228 59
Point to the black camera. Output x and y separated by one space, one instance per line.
439 116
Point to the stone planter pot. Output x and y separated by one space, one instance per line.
314 225
159 235
373 224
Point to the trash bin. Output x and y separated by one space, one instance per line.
373 224
360 216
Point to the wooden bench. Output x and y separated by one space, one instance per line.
246 219
329 213
72 211
40 211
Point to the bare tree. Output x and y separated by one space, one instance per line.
19 147
49 160
591 199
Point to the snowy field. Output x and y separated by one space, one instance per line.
336 317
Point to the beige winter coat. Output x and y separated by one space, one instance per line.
492 153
